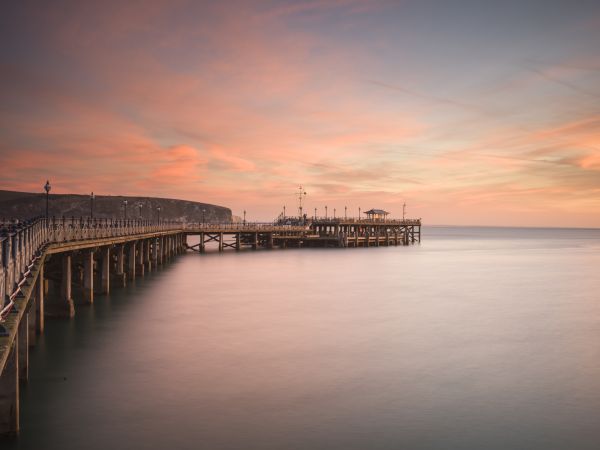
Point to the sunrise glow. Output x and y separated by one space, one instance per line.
471 113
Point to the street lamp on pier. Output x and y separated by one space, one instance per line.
158 211
283 212
125 208
359 213
203 216
345 212
140 204
315 213
334 212
47 188
92 197
403 211
244 217
325 211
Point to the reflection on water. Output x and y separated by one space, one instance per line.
476 339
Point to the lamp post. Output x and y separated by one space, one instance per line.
334 212
244 217
140 204
92 197
301 193
47 188
403 210
315 213
345 212
359 213
283 212
158 210
125 208
325 212
203 216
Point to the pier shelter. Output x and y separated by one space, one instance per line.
376 214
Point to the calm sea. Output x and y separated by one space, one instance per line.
479 338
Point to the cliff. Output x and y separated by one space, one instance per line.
25 205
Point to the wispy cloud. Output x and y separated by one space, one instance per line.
364 103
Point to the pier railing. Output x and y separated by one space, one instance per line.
22 243
249 227
354 220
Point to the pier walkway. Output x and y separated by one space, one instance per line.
47 263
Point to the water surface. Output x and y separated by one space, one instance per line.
479 338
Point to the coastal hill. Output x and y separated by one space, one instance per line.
25 205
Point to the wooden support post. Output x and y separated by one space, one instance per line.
88 277
154 252
270 240
120 272
140 258
39 304
23 346
147 259
9 393
237 241
202 243
31 319
105 270
131 261
255 243
160 249
220 242
63 305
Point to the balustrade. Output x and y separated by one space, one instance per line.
23 241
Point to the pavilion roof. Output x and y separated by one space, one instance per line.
376 211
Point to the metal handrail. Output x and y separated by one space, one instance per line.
41 232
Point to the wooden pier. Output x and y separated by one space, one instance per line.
49 266
323 232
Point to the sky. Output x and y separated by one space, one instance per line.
470 112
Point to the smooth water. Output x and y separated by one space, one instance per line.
479 338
